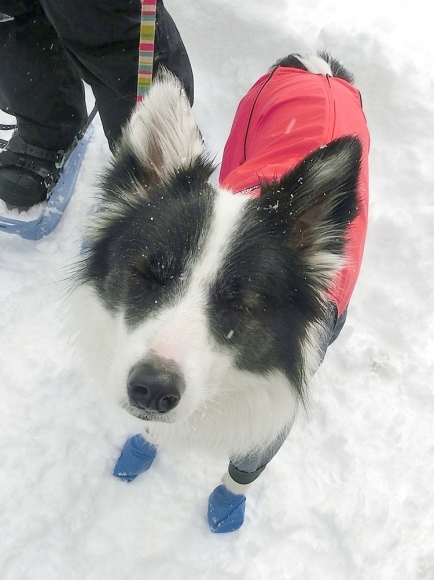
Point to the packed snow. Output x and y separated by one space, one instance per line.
349 496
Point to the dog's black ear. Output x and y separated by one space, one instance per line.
314 203
161 137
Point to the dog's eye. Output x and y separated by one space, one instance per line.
247 301
231 299
147 270
236 305
242 300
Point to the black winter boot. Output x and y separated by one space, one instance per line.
28 173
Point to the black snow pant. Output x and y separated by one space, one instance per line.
51 45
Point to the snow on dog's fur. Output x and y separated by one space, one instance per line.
200 311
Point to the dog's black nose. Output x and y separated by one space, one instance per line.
155 386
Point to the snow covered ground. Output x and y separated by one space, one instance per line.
349 496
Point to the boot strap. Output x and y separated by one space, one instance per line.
19 146
18 153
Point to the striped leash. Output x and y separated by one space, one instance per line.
146 47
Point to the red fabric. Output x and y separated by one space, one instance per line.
286 115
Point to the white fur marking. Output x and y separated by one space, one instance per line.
315 64
164 121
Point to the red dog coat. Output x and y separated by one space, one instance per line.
286 115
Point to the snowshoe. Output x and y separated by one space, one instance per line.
46 175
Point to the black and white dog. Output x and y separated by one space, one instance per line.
203 312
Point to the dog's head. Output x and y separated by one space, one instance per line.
213 298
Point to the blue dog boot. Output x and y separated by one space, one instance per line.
225 510
136 457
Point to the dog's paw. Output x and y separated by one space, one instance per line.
136 457
225 510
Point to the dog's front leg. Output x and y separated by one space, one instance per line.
227 503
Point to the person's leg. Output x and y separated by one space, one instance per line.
103 39
38 84
42 89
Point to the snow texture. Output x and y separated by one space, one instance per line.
349 496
